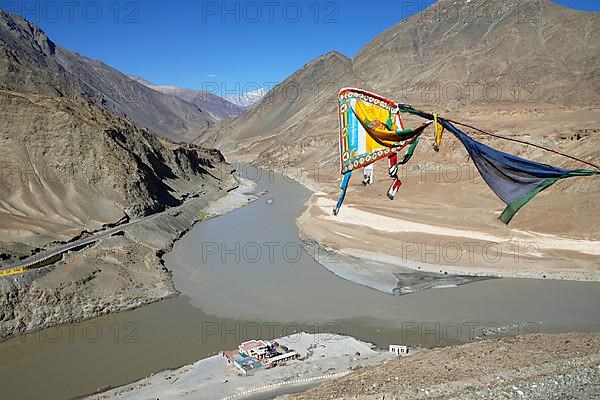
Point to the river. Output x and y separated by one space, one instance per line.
246 275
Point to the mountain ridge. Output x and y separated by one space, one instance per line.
473 45
31 62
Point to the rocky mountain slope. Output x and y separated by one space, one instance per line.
217 107
454 56
81 151
79 143
528 367
31 62
488 51
70 166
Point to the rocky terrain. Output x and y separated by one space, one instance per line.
121 272
32 62
72 168
461 53
69 167
529 367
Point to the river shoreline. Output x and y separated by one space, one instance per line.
214 293
431 249
386 275
322 357
116 274
336 366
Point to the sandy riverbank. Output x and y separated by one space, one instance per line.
377 241
323 356
244 194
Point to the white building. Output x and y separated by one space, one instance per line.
255 348
398 350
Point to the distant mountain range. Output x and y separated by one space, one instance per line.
219 107
215 106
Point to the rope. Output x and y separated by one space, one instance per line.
527 143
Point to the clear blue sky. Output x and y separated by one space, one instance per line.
198 43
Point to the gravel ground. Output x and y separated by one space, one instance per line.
565 366
321 356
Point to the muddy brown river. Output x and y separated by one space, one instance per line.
247 275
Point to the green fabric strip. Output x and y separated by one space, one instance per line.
412 132
390 122
404 108
510 211
405 132
409 153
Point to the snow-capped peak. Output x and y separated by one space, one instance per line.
246 99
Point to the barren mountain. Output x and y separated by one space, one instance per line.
31 62
455 55
217 107
490 60
69 166
488 51
80 154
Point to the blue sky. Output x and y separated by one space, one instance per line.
232 45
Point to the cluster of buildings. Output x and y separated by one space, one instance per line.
255 354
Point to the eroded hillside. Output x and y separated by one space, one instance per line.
71 166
